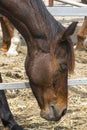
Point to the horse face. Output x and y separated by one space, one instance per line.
49 85
48 73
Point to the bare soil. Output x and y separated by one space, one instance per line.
24 106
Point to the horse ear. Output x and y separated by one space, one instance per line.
70 30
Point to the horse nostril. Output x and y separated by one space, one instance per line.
53 111
64 112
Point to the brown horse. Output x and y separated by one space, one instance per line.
11 39
82 36
82 33
49 55
8 31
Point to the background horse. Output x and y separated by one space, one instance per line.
82 33
7 30
47 42
11 38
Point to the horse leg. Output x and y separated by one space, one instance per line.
5 113
15 43
7 30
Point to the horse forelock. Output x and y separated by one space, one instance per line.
71 58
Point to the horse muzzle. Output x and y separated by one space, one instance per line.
53 114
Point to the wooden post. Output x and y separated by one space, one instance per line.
50 3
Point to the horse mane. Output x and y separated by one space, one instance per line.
55 28
51 29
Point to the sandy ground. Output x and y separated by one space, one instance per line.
23 103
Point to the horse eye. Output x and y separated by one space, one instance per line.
63 67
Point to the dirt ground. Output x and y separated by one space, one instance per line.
24 105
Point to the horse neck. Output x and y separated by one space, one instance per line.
31 18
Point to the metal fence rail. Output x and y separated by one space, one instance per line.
70 10
71 2
18 85
67 11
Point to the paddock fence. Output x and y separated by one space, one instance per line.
19 85
72 9
70 2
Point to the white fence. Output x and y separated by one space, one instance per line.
67 11
74 3
72 9
18 85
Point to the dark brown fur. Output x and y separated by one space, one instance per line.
49 53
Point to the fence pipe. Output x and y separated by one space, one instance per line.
67 11
19 85
72 3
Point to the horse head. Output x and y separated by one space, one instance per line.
49 56
48 74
